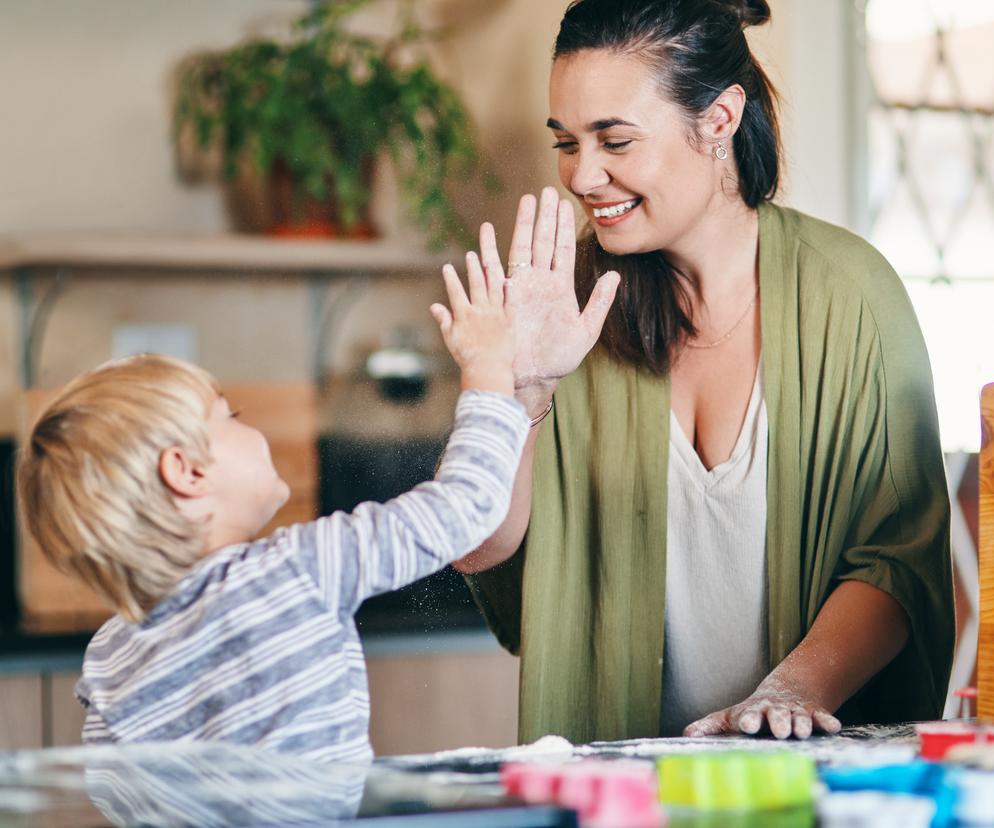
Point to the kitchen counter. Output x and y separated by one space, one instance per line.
200 784
222 785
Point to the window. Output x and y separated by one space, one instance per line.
931 185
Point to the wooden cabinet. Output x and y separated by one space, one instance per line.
63 713
21 712
421 703
425 695
38 709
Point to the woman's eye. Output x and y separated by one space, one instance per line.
566 146
616 145
236 414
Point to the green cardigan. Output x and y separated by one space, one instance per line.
855 490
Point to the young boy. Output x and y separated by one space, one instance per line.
140 481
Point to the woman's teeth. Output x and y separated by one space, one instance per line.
617 209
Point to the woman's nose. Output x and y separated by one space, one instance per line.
587 174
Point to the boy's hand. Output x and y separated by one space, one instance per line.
476 329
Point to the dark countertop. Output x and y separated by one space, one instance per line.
23 653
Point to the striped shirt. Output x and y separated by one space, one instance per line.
258 645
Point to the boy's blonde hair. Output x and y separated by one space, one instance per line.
88 478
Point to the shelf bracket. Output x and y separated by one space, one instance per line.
34 314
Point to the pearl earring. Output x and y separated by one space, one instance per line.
720 152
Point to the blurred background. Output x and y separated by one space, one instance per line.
153 198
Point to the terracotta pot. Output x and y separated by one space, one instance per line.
297 215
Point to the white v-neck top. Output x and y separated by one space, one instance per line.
716 647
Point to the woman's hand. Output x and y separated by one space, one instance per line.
856 634
551 333
773 707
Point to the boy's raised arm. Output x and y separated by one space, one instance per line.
380 547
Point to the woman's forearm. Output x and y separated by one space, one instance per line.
503 543
857 633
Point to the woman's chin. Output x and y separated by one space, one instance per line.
619 244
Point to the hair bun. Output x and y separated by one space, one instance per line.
750 12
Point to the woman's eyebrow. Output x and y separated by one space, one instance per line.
596 126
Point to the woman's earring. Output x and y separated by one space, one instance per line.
720 152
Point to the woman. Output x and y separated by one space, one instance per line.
735 518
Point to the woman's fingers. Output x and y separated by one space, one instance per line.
565 256
713 725
544 244
784 722
458 300
826 721
779 719
524 229
750 720
493 271
489 254
801 724
599 304
478 294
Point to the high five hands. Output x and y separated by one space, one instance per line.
552 335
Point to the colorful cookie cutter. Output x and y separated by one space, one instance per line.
737 781
938 737
612 794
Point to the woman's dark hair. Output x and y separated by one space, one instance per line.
697 48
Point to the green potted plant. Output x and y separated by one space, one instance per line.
311 114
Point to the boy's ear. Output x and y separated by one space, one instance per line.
181 476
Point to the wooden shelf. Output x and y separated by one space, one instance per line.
218 253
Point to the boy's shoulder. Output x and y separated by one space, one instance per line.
213 578
229 589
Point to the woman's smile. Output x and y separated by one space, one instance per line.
626 150
607 214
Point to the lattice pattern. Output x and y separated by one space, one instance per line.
931 183
932 136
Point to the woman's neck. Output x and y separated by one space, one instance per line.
719 254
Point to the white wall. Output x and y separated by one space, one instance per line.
84 100
821 70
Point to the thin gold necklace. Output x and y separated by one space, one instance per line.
733 329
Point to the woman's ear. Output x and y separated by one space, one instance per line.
181 475
723 117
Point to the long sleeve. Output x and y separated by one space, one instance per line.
380 547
